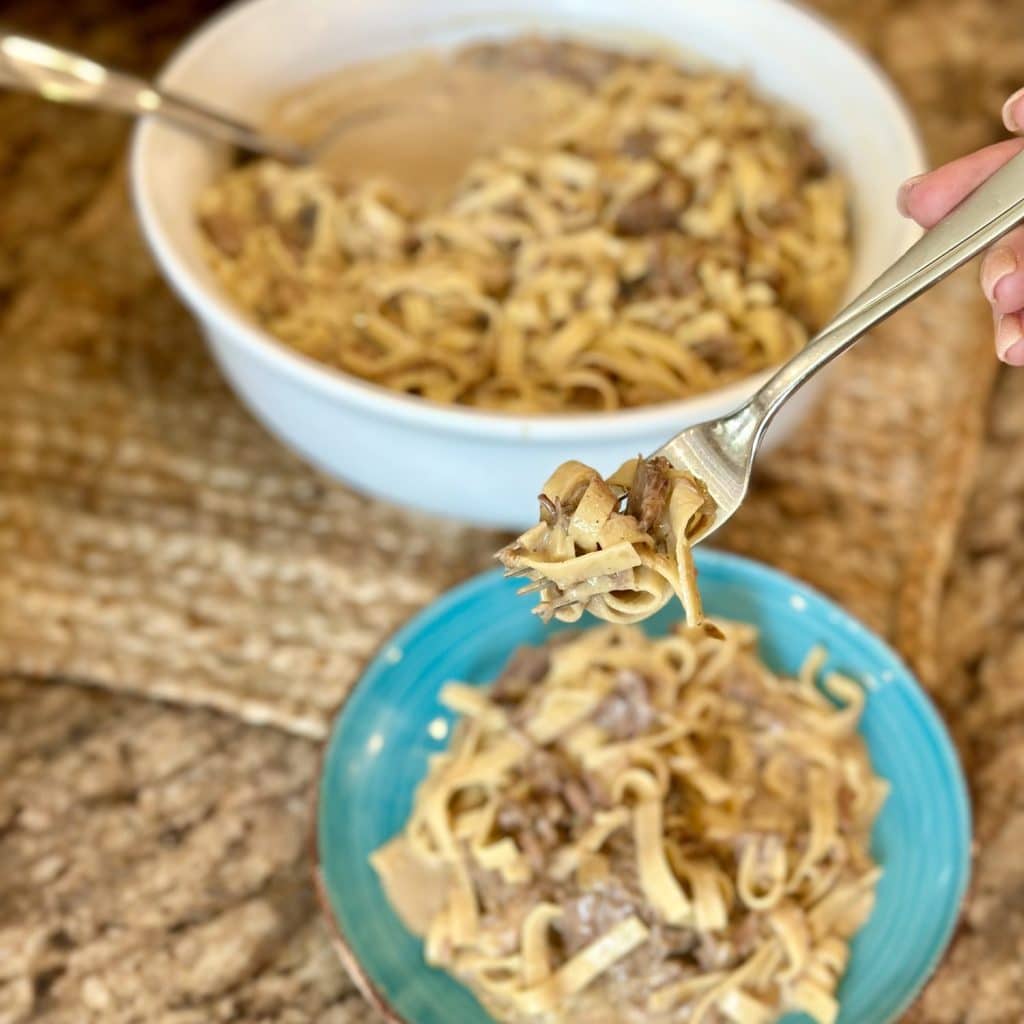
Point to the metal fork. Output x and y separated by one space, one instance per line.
721 452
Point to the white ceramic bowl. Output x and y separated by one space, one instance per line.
484 467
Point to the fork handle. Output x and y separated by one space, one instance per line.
62 76
988 213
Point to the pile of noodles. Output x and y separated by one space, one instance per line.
668 232
644 830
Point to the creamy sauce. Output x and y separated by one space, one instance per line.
416 119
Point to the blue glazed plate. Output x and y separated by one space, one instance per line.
392 722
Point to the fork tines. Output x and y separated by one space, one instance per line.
531 588
517 573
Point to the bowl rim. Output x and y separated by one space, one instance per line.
754 570
215 309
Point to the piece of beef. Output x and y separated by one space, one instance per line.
673 267
649 494
549 510
579 799
224 231
525 669
655 210
811 162
640 143
721 352
297 232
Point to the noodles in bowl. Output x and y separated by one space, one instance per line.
645 233
439 452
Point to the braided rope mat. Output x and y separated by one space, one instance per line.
154 542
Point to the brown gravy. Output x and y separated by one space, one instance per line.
417 119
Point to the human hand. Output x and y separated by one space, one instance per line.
929 197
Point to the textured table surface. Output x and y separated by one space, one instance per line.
156 546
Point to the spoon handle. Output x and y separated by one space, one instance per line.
988 213
65 77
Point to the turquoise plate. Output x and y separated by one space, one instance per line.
392 722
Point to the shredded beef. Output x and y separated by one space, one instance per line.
649 494
673 267
297 233
721 352
525 669
653 211
639 143
224 231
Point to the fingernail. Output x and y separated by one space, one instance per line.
1008 336
1014 355
1010 113
903 195
999 263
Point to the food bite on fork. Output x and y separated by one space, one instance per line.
618 547
623 563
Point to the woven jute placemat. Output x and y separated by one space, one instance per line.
153 541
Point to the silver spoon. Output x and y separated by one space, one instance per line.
65 77
721 452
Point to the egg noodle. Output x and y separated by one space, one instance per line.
661 233
618 548
627 830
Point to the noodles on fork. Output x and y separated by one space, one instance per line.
619 548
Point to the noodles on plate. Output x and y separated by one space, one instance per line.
628 830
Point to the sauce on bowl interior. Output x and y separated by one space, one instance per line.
418 119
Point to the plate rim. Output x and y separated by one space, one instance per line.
705 557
